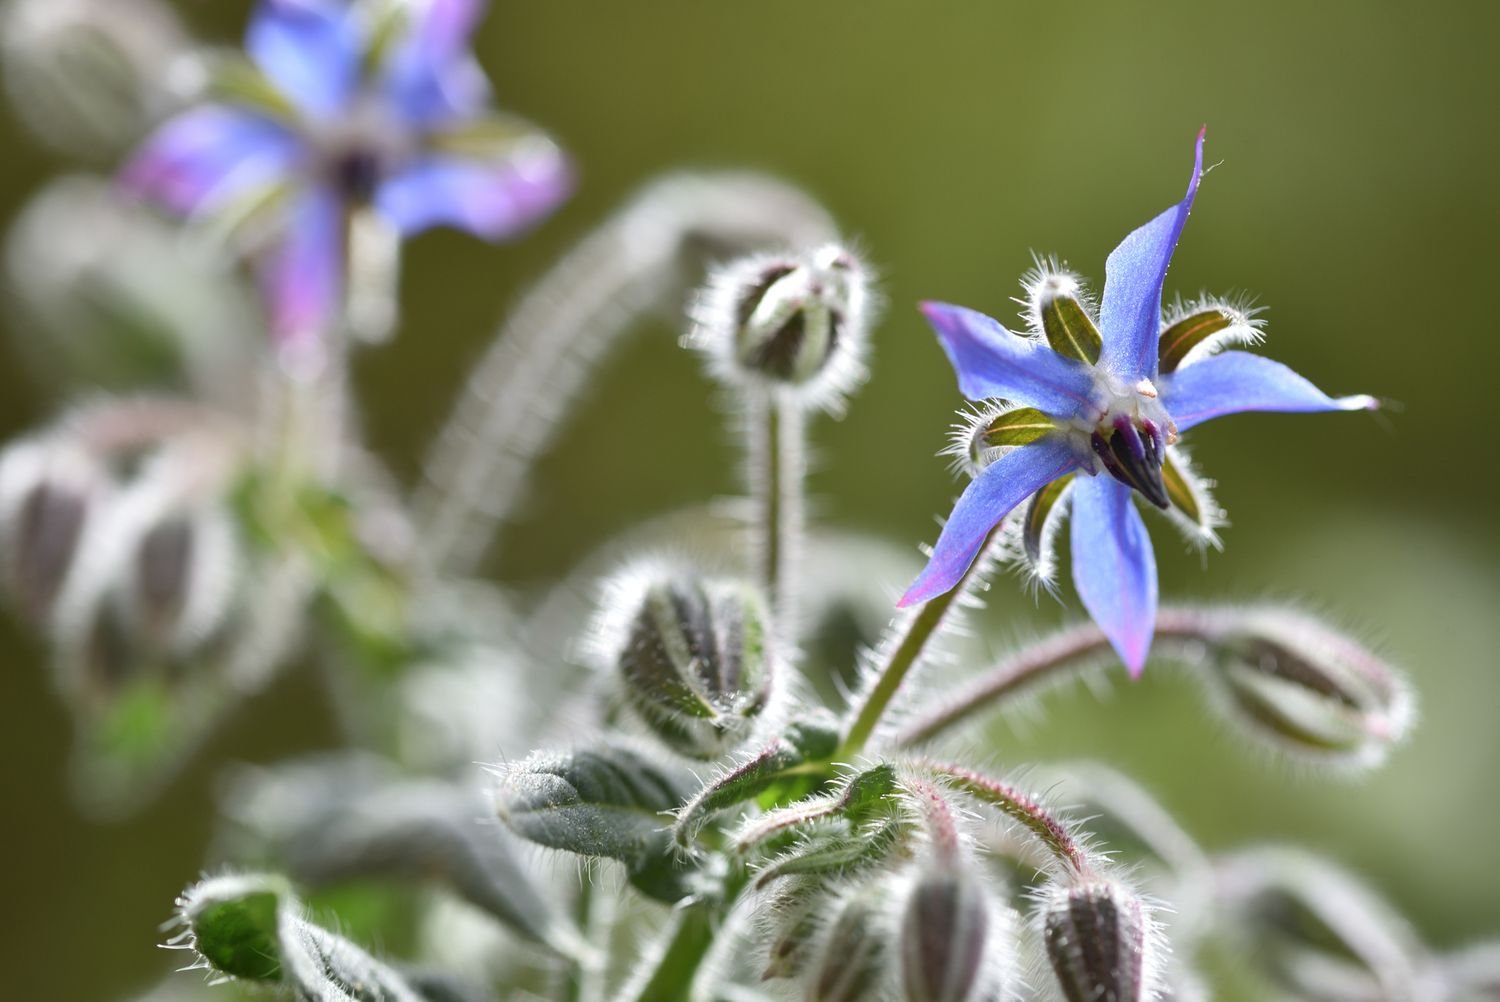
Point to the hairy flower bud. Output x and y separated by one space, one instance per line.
106 294
1309 689
89 76
1100 942
954 946
854 962
1315 930
792 324
692 653
47 494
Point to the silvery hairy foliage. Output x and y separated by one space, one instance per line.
712 769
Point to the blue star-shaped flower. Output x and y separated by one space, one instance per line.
351 105
1110 401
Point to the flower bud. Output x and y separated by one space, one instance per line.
793 324
1100 941
47 494
1315 930
1309 689
692 654
854 961
89 76
953 942
105 294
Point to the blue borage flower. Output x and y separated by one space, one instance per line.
1083 398
347 105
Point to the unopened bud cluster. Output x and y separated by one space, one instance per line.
1309 689
692 654
796 325
89 75
119 570
1100 941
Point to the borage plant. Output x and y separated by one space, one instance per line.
717 817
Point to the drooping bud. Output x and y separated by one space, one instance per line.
47 494
1315 930
796 325
1308 689
179 586
89 76
854 962
954 941
1100 941
106 294
1055 302
693 655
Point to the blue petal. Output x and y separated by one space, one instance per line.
303 274
431 77
310 49
208 155
1004 484
993 362
1130 314
1114 568
493 200
1237 381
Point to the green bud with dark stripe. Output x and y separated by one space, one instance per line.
695 662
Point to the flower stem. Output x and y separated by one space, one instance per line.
777 466
1071 649
689 939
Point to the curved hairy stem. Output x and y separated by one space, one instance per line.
906 641
1071 649
546 351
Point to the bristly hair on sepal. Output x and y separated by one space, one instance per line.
1231 321
1049 275
1194 511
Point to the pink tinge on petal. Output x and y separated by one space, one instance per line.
302 276
495 201
206 156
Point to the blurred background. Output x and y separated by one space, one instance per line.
1353 196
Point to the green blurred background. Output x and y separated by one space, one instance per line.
1356 198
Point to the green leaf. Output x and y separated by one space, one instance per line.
839 853
491 137
808 741
235 924
1069 328
611 802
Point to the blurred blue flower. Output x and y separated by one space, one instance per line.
347 106
1112 408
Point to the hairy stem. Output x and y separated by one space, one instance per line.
1020 807
689 939
1072 649
775 443
541 360
901 650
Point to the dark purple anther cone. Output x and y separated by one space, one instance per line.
1133 461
